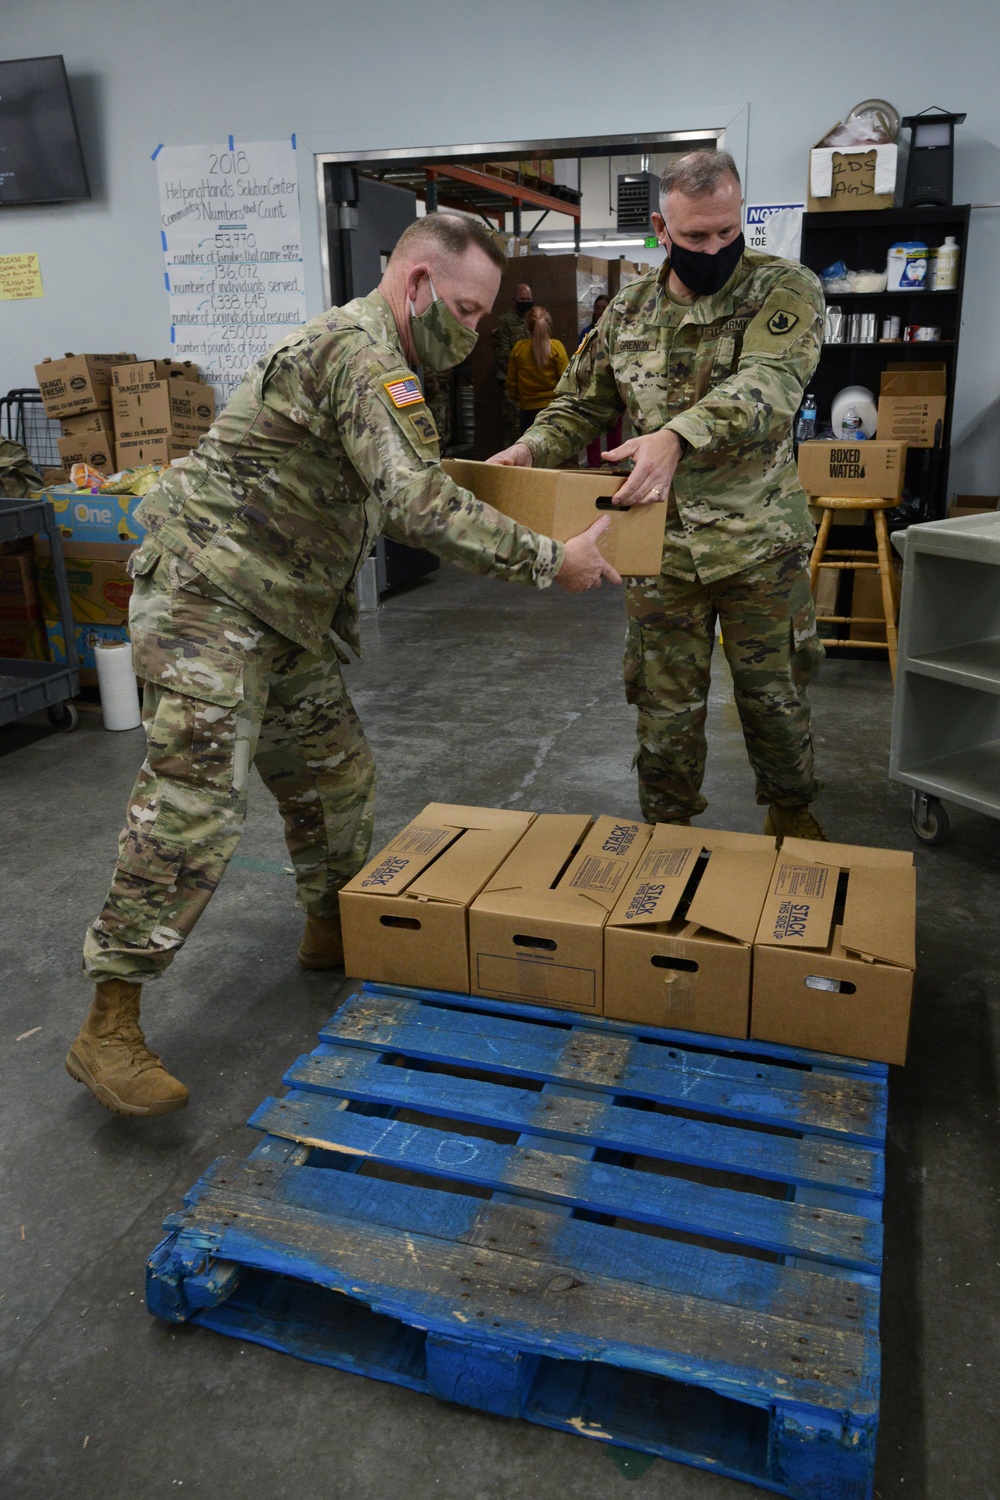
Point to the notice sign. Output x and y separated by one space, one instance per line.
775 228
232 237
20 277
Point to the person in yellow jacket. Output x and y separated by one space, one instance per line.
535 367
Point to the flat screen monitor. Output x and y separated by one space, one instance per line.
40 156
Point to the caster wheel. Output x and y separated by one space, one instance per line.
64 717
928 819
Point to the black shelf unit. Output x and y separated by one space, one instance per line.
861 238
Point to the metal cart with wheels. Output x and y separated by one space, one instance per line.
28 687
946 712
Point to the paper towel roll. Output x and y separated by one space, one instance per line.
117 685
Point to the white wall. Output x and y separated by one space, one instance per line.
382 74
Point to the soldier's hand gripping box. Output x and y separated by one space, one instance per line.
560 504
77 382
537 931
678 945
836 950
405 916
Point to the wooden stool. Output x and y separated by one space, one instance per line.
880 562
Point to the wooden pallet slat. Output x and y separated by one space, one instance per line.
625 1234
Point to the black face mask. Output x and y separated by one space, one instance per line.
523 307
702 273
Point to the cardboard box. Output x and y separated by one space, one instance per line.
99 585
147 371
92 448
164 408
972 505
405 916
18 590
23 640
90 422
848 179
77 382
138 453
678 946
87 636
537 932
872 470
836 950
560 503
83 517
912 403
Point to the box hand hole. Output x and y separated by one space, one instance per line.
523 941
837 986
604 502
409 922
661 961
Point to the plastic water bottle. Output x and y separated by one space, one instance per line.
851 430
805 427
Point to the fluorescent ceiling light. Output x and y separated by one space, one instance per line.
587 244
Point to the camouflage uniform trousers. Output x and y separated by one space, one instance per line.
770 641
222 692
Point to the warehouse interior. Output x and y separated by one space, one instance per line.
484 696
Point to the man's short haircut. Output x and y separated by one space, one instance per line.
449 234
697 174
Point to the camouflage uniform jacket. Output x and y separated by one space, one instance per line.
509 327
325 443
726 372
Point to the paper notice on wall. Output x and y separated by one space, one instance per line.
775 228
20 277
232 237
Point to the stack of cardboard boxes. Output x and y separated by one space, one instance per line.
698 930
77 390
161 408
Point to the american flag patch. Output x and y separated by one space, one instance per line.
404 392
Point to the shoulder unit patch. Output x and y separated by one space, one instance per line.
781 322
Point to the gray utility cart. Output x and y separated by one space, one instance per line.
946 714
28 687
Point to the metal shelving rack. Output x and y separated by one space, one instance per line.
946 713
28 687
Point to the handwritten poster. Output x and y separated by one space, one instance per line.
20 277
232 238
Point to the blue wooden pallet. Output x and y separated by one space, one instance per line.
667 1241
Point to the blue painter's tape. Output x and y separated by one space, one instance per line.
166 280
157 152
163 241
230 143
173 334
293 141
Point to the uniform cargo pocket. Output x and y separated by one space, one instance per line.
807 648
180 666
145 878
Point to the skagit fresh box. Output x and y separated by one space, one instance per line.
405 915
678 946
537 931
835 951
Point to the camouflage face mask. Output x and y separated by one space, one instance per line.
440 340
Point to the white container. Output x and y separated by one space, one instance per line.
906 269
944 265
117 685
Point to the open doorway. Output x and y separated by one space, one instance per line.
573 215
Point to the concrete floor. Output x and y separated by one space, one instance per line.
471 692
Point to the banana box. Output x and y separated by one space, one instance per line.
99 585
87 637
84 517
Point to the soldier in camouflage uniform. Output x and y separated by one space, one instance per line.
709 357
508 329
249 562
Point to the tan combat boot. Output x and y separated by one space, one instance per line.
322 944
792 823
111 1057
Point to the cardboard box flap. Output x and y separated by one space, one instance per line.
731 893
847 856
657 884
605 860
537 860
921 378
403 859
467 864
878 915
575 908
798 912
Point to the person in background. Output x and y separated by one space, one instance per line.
509 327
535 368
710 356
614 435
243 585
